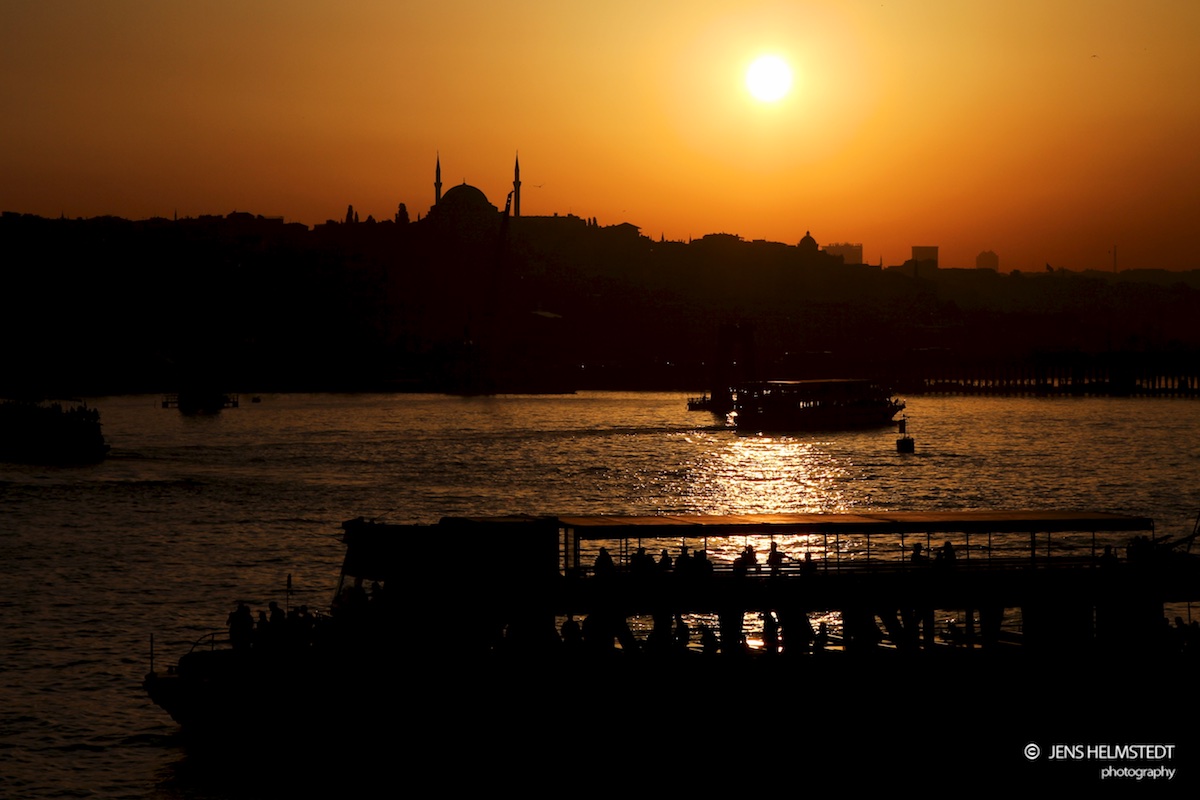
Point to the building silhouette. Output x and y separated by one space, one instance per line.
808 245
925 256
987 260
851 253
514 204
437 181
516 208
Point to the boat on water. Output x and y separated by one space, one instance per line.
814 405
717 403
532 601
62 432
200 401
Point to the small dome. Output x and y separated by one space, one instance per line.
808 243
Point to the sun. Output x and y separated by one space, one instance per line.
769 78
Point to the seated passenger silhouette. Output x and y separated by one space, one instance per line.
770 633
604 565
821 641
664 561
572 634
682 633
642 563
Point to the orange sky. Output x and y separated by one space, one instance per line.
1046 131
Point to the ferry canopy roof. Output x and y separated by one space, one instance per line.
886 522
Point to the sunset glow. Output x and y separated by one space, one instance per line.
769 78
1047 133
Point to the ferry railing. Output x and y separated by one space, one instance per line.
211 636
889 552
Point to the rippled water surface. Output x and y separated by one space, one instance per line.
190 514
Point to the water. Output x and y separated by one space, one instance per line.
190 514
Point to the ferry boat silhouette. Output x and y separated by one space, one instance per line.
527 605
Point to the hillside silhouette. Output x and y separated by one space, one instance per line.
474 299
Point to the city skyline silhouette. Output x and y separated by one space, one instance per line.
469 299
1047 134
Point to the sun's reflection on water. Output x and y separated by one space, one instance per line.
722 472
757 474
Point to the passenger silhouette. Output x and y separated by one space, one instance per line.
597 634
241 627
262 631
821 641
572 634
745 560
684 564
642 563
664 561
662 635
770 633
604 566
775 558
682 633
709 644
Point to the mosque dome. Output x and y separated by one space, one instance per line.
464 209
464 200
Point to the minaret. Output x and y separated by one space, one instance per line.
517 187
437 181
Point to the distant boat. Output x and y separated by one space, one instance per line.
200 401
50 432
830 404
720 404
